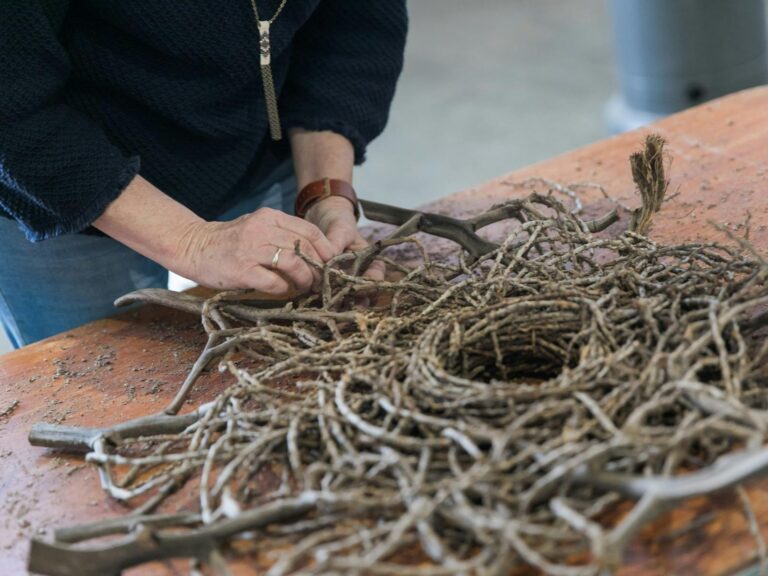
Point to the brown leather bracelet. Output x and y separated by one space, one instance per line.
320 189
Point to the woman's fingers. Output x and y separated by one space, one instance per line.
343 236
258 251
276 273
243 253
269 282
286 240
376 271
290 266
311 234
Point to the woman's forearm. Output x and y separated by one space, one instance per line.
151 223
318 155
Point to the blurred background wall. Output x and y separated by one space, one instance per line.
490 86
493 85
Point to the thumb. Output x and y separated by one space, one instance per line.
341 237
376 271
337 239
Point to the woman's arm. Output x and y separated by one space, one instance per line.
344 68
236 254
345 63
318 155
58 169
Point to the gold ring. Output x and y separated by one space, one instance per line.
276 258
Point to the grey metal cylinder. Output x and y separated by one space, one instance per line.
673 54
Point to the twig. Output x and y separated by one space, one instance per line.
483 410
146 545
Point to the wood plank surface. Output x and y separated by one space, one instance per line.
130 365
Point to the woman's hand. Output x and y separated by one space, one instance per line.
224 255
239 254
318 155
335 218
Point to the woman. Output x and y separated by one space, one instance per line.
145 136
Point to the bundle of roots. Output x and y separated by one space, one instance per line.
472 416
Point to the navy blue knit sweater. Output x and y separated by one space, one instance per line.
94 91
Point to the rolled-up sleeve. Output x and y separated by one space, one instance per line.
58 169
344 68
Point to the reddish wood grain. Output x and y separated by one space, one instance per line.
128 366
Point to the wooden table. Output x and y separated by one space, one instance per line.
130 365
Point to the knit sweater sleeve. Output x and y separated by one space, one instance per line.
58 169
344 67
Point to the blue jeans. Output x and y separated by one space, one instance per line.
55 285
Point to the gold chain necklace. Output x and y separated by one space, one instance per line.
273 116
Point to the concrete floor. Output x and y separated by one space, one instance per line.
488 87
